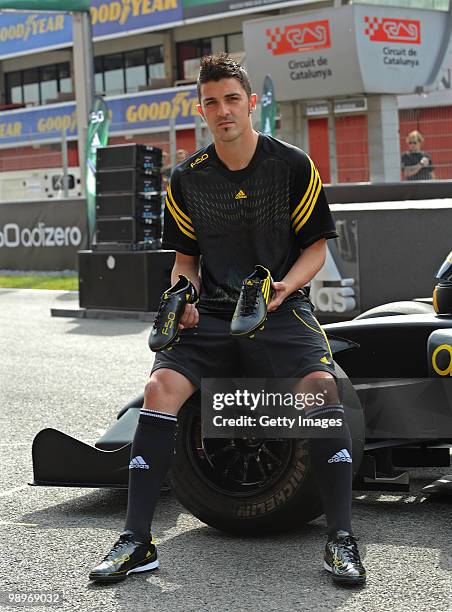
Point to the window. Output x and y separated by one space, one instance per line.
129 71
135 65
30 80
13 87
189 52
64 78
114 74
38 85
155 63
49 84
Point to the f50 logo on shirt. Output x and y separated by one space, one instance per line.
393 30
198 160
299 38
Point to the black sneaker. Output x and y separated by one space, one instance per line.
251 310
166 325
342 559
126 557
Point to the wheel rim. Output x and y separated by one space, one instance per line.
239 467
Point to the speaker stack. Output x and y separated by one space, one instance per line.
128 197
125 269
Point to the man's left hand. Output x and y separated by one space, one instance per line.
281 291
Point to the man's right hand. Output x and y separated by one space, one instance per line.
190 317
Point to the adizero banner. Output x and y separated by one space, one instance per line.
41 235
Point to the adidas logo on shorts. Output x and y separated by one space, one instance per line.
139 463
342 455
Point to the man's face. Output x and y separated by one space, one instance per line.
226 108
414 144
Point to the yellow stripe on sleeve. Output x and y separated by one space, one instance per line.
307 192
188 229
176 207
311 208
308 203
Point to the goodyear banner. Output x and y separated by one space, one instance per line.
22 33
142 112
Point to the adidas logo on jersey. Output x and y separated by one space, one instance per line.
138 463
241 195
342 455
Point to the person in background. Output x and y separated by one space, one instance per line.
181 155
416 164
166 169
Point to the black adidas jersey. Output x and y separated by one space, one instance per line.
263 214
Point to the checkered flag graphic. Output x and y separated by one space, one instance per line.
273 38
372 25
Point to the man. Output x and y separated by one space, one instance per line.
246 199
416 165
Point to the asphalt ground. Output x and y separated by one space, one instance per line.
74 375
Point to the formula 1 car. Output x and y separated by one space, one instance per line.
397 395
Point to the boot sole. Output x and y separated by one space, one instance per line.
254 330
359 580
142 568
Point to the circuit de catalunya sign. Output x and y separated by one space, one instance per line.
345 51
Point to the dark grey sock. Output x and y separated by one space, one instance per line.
332 466
152 450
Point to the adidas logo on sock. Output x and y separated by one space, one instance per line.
138 462
342 455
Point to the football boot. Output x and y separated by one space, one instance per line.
342 559
128 556
165 330
251 310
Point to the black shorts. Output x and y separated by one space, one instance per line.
292 345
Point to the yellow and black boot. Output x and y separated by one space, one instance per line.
251 310
165 330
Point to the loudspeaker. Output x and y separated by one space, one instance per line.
127 230
124 280
128 180
143 157
128 205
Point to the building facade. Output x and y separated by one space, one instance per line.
146 60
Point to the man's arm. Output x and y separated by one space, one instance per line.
303 270
188 265
409 171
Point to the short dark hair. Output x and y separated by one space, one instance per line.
222 66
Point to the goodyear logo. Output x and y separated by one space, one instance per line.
34 25
57 123
11 130
198 160
121 11
182 104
